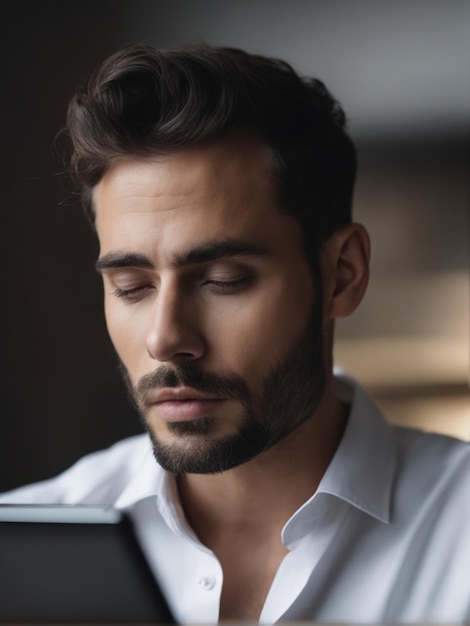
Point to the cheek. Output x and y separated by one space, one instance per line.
254 337
127 333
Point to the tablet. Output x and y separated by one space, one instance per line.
74 564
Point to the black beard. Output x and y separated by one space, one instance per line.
289 395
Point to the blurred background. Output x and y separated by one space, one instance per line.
402 72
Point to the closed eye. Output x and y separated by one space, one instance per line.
228 286
133 295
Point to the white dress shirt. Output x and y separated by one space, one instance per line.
385 537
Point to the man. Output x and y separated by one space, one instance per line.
220 184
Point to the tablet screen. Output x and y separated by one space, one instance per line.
74 563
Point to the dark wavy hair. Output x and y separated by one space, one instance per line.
142 101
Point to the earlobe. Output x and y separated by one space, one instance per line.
347 254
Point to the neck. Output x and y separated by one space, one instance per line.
261 495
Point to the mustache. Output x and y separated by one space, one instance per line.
230 386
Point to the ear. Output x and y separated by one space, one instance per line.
346 256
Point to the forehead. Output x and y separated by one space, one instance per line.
226 189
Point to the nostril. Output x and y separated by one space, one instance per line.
174 356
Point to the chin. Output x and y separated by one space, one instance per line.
200 453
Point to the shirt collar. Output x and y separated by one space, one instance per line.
152 481
148 480
361 471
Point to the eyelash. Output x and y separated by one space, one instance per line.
131 295
228 286
220 286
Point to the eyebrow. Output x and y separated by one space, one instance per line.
115 260
197 255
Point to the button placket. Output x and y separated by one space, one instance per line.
207 583
203 599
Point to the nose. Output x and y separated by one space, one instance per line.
173 333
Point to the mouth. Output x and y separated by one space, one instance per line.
182 404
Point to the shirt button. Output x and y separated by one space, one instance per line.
207 583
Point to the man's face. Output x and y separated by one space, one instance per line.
209 302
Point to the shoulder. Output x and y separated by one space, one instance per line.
97 478
432 475
431 454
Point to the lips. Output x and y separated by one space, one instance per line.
182 404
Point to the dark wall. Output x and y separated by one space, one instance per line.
61 394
